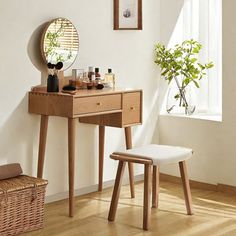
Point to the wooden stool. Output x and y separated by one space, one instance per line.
151 155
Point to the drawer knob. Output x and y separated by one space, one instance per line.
99 103
132 108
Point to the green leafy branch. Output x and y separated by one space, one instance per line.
181 64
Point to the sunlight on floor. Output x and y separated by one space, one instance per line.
215 214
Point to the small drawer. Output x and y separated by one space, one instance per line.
132 108
95 104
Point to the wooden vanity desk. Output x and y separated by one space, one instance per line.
120 108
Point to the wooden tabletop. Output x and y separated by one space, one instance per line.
92 92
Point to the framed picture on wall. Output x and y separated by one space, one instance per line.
127 14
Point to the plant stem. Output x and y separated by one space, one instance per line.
182 94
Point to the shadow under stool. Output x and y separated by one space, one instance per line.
152 155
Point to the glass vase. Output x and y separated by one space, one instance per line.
181 101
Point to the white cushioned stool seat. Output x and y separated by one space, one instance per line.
159 154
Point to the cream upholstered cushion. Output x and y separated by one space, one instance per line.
159 154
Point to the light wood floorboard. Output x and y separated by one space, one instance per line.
214 214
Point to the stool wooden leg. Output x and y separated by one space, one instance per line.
155 186
101 156
131 179
116 191
128 139
186 187
42 144
71 160
147 195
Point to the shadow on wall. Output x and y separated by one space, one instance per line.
18 132
21 128
167 35
169 16
34 52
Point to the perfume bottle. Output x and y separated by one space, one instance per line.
109 79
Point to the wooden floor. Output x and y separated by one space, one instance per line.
215 214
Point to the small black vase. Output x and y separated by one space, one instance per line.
52 83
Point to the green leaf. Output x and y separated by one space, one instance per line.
201 66
165 72
196 50
209 65
186 81
177 96
196 84
193 60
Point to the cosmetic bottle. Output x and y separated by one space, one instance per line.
109 79
97 74
85 80
97 77
91 74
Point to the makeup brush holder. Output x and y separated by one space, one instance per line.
52 83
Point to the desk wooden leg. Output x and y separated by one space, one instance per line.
101 155
128 139
71 155
42 144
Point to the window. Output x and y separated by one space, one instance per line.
202 20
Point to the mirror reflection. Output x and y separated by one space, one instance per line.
60 42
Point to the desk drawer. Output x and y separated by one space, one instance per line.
132 108
96 104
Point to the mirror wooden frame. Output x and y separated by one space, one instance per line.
43 40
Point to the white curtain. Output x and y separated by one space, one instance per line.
202 20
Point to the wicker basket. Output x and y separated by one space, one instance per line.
21 204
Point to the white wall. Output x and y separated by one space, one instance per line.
213 142
129 53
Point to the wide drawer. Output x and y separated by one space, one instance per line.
94 104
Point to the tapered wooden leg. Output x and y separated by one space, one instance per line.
186 187
128 139
155 187
146 197
131 179
42 144
71 160
116 191
101 156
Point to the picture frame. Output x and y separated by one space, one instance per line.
128 15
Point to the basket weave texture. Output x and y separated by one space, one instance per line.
21 204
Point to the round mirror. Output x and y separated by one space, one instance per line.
60 43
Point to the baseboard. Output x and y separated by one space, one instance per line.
163 177
200 185
226 188
89 189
